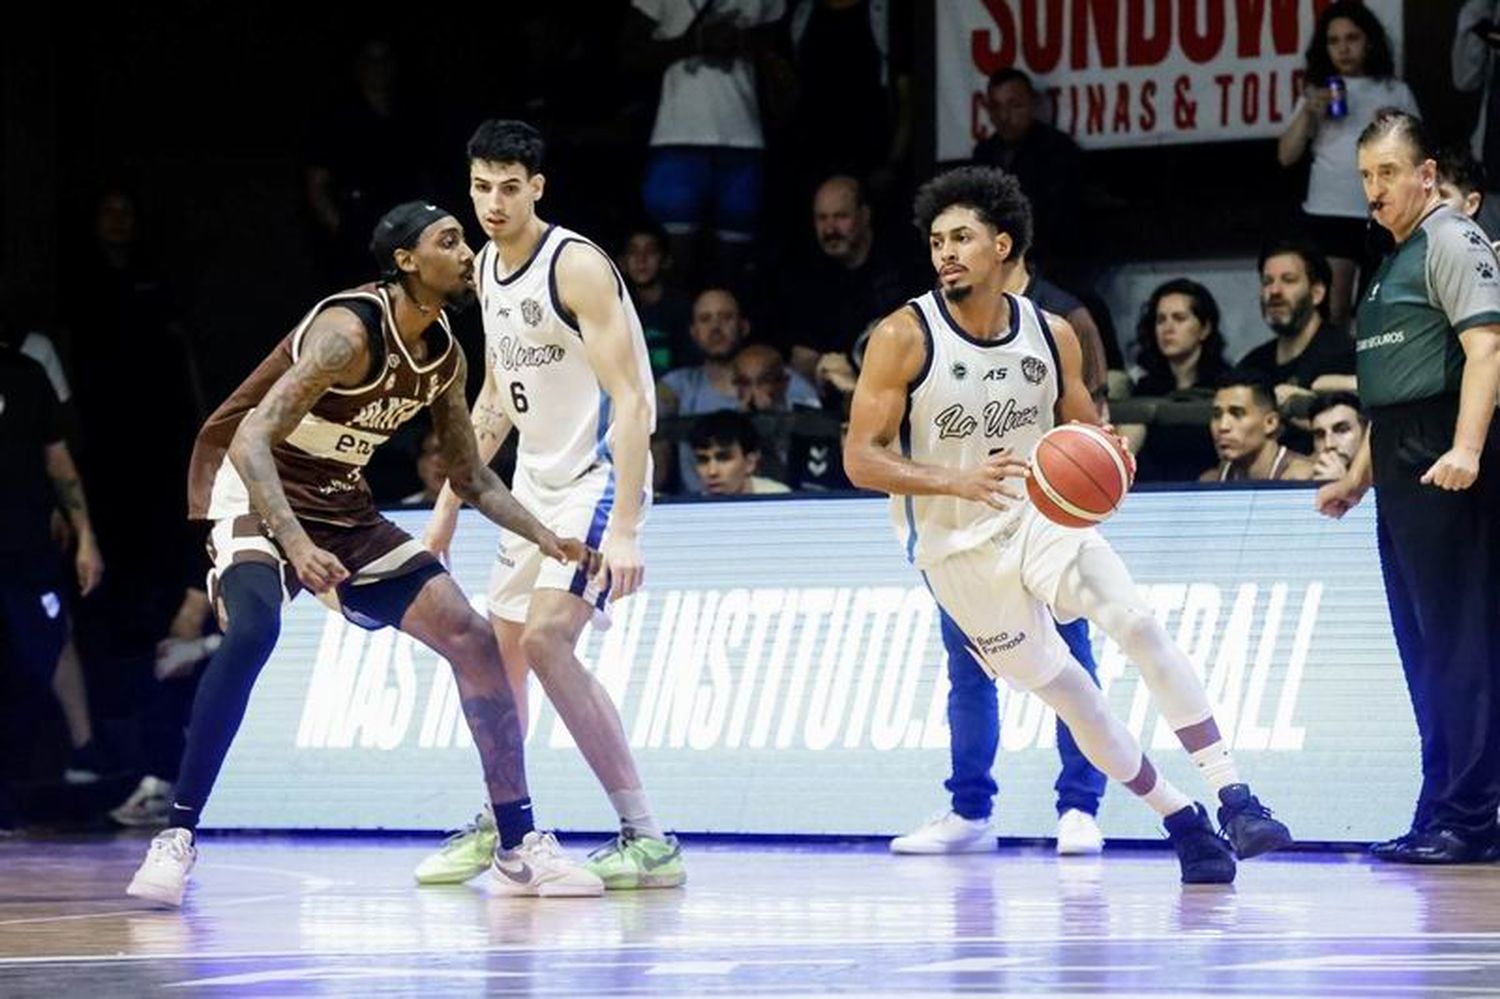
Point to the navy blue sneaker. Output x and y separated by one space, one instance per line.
1443 846
1205 857
1248 824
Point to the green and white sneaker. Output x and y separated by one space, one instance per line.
630 861
464 855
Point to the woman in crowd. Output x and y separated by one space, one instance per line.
1349 50
1180 352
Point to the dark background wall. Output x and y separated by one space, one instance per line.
202 111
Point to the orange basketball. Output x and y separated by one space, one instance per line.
1079 475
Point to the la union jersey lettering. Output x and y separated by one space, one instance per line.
1000 393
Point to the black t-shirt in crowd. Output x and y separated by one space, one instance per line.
1329 352
831 305
29 421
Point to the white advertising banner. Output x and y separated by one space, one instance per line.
1131 72
784 674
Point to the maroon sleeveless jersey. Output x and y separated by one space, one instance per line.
322 460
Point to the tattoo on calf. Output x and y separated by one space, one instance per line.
497 735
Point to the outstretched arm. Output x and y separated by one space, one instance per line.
491 427
589 288
334 352
894 358
475 484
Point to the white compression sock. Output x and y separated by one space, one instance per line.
635 813
1217 765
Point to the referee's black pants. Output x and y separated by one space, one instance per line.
1440 556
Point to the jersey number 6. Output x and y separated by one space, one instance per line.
518 397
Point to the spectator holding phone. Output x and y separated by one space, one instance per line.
1350 75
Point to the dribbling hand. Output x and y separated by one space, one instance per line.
985 483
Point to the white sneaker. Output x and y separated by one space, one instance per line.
1078 834
148 805
539 867
948 833
163 876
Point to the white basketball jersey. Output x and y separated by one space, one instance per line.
972 398
535 352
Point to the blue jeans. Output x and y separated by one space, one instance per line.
974 727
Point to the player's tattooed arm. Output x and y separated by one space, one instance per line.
491 425
471 478
894 359
334 352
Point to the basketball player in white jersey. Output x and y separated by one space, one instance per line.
956 389
568 370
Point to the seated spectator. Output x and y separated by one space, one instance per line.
1030 284
1180 350
854 279
1048 163
718 330
431 469
1247 428
1461 183
766 385
1179 345
726 455
1308 353
1338 429
665 312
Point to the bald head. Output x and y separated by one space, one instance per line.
760 378
841 220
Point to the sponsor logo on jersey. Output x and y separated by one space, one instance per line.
996 374
531 312
1476 238
1389 339
990 645
512 355
1034 369
386 414
960 370
1485 269
391 360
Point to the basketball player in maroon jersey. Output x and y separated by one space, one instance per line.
291 510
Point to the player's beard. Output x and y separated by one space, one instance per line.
958 292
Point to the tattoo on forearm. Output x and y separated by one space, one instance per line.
496 728
69 494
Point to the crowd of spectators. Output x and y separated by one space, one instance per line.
757 262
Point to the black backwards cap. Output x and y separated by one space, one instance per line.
399 229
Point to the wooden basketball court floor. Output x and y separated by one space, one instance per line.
321 915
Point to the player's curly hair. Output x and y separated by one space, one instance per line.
994 195
505 140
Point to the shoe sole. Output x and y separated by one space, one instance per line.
152 891
1258 845
646 882
456 878
980 846
1080 850
545 890
1215 880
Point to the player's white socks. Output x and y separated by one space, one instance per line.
1217 765
1164 797
635 813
